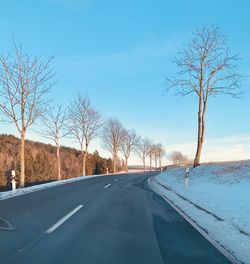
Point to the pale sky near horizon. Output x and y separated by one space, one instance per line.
120 52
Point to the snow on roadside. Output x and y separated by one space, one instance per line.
34 188
10 194
223 190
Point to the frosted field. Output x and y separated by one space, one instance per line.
223 190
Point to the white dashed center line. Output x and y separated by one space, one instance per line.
64 219
107 186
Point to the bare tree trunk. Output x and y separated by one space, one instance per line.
58 163
200 133
144 165
85 154
150 161
155 163
114 163
160 162
126 164
22 161
58 160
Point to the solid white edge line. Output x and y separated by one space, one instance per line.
64 219
107 186
221 249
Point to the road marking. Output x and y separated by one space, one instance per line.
202 231
64 219
6 225
107 186
116 180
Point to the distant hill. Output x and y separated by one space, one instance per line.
41 163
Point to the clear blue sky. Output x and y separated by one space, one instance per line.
120 52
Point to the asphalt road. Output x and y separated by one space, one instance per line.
114 220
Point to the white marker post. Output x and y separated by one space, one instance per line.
13 180
187 177
107 170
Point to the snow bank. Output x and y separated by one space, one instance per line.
217 198
9 194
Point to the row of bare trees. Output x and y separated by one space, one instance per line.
116 139
206 68
84 123
155 153
25 82
80 121
179 159
24 86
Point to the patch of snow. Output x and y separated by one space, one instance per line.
223 190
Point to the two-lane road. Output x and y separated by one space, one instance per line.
108 220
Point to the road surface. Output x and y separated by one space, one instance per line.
108 220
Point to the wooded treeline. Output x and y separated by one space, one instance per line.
41 161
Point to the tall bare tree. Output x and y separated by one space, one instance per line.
160 153
143 150
155 155
54 128
84 123
129 143
151 155
25 81
206 68
112 137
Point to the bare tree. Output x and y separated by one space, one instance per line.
206 68
160 153
154 153
129 143
112 137
151 155
84 123
157 152
143 150
25 81
54 128
177 158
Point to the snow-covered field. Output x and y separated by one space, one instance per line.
223 190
